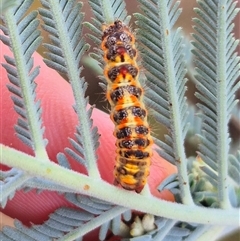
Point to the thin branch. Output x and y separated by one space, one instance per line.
27 85
175 108
89 186
107 11
93 224
222 107
71 57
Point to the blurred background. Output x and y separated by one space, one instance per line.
97 95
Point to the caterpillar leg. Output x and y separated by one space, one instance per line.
129 181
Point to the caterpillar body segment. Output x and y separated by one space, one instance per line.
128 111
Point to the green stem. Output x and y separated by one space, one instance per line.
93 224
80 183
171 82
107 11
73 72
222 121
26 87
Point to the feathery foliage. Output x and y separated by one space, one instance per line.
210 180
24 42
163 58
24 38
218 69
63 23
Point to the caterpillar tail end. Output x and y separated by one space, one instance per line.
126 186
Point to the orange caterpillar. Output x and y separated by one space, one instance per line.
128 112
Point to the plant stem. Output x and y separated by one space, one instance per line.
222 121
100 189
93 224
177 124
107 11
77 84
28 96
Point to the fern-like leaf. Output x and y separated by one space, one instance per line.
65 58
69 223
162 54
23 38
61 221
10 181
161 50
98 207
217 71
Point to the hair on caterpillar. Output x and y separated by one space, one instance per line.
128 112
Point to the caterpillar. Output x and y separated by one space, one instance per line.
128 112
